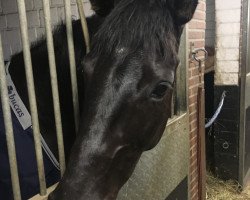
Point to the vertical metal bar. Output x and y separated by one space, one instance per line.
245 61
201 143
72 62
9 128
172 105
54 84
31 93
84 24
181 78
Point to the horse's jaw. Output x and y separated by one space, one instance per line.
97 175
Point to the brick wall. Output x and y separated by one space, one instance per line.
227 41
9 21
196 34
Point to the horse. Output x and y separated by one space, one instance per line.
128 77
129 73
26 164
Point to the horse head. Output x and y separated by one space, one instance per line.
129 76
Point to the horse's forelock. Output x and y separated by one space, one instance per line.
137 24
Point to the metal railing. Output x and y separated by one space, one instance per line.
8 128
54 84
31 91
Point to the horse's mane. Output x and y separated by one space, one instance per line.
137 24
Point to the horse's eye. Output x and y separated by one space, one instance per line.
160 90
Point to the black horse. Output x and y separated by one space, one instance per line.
128 80
125 91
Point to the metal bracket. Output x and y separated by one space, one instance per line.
225 145
195 55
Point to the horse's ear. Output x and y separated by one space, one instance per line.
102 7
183 10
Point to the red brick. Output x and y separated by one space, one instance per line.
193 108
189 73
195 71
193 90
194 80
199 15
193 126
194 183
193 150
194 177
193 166
196 24
196 34
193 133
199 44
192 99
195 195
193 65
193 157
201 6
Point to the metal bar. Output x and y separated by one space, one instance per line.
9 128
31 94
172 105
72 62
201 144
54 84
181 76
84 25
245 61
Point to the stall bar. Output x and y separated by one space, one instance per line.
31 92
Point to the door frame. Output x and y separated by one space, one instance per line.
244 65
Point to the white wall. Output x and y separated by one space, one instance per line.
9 21
228 14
